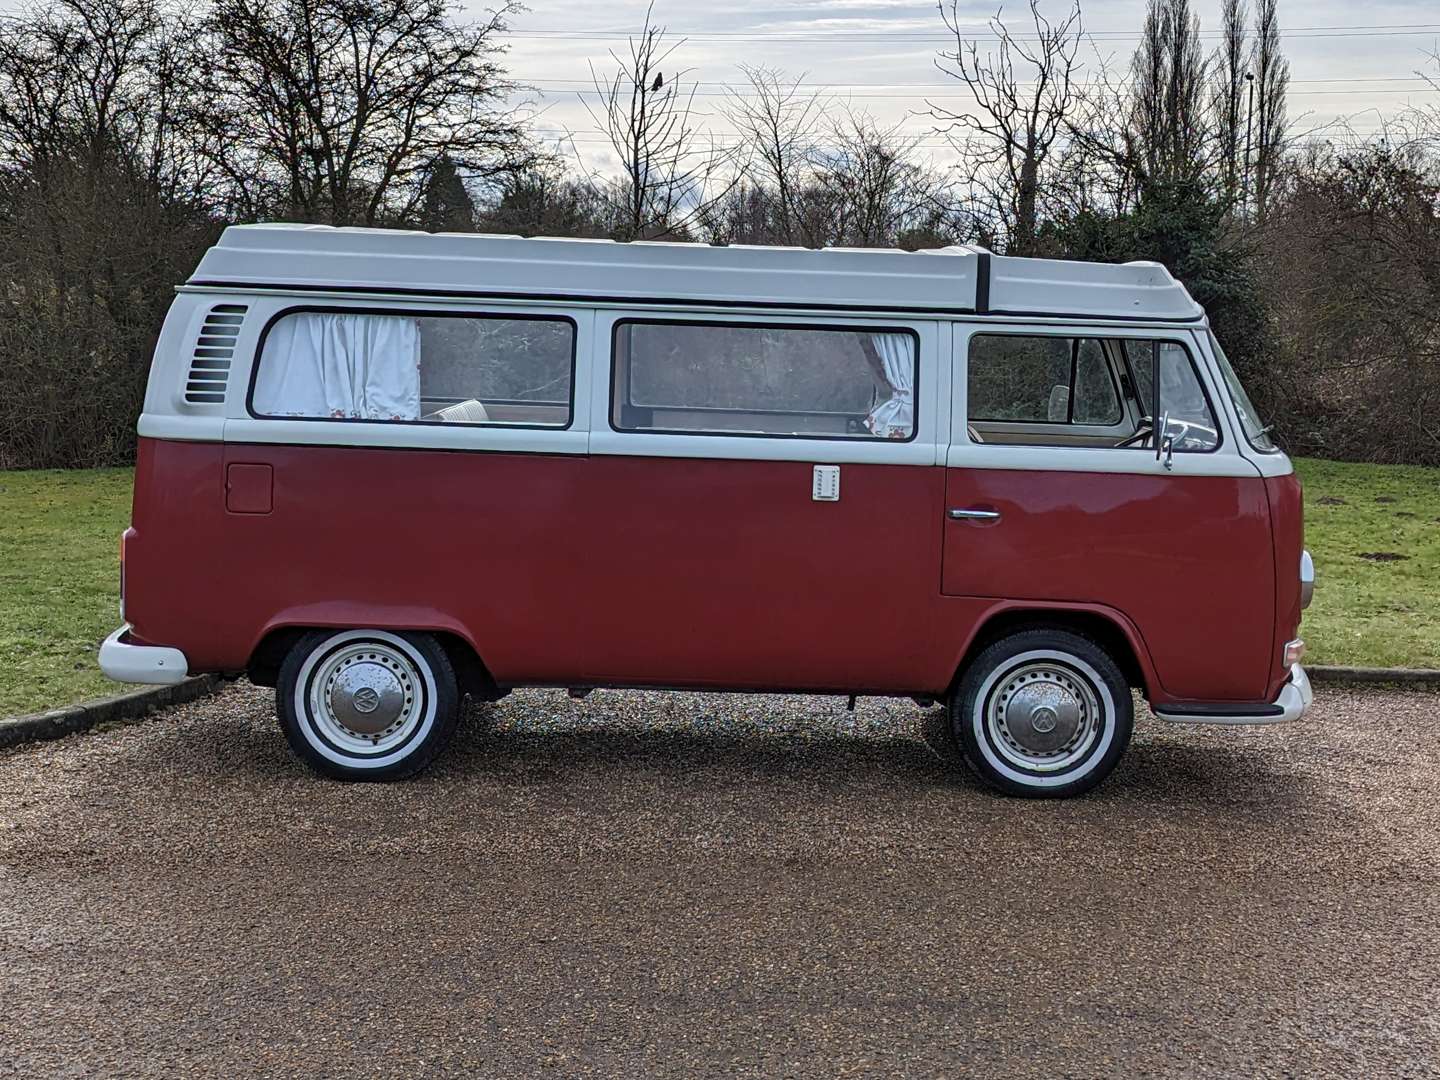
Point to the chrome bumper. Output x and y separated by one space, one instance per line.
1295 697
124 661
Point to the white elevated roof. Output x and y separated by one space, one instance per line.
953 280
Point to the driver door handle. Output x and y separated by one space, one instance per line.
975 514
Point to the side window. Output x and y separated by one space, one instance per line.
447 369
787 381
1042 380
1058 390
1190 422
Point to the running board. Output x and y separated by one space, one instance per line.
1294 699
1221 713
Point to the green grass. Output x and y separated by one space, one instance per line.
59 535
59 583
1366 611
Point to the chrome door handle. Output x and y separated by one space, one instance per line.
975 515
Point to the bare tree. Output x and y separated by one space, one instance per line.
778 123
1228 96
1008 143
95 80
335 110
1272 80
1352 246
544 201
1426 118
1168 72
669 175
101 212
869 188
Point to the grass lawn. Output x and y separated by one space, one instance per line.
59 583
59 548
1380 610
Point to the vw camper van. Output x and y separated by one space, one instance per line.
382 470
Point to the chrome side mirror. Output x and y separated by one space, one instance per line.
1165 442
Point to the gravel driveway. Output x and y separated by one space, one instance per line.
690 885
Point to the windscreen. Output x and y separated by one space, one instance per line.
1255 429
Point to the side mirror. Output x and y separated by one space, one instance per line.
1165 442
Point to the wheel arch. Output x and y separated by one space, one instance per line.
1108 628
274 644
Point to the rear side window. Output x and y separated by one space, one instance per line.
407 368
778 381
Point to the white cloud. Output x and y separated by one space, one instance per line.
895 41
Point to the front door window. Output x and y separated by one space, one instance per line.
1093 392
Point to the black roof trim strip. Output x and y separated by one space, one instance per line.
982 282
666 301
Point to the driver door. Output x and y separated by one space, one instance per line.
1086 513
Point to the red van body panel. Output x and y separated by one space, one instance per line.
1287 511
470 543
1188 558
723 572
556 568
573 570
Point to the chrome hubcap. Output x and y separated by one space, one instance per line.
366 697
1043 716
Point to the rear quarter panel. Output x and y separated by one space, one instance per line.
1287 513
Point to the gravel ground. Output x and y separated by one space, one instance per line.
690 885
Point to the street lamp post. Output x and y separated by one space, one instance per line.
1249 111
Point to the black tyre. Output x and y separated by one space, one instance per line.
1043 713
367 704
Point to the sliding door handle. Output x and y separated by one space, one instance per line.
974 514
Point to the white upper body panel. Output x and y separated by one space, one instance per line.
954 280
204 366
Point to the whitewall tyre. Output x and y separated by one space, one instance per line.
1043 713
367 704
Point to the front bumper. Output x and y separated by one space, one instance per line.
1295 697
125 661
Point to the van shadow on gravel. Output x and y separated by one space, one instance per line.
684 751
1159 776
1163 769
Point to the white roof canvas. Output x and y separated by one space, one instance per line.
953 280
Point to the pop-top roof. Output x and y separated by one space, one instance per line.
956 280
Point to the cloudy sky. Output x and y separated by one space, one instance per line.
1350 62
1353 62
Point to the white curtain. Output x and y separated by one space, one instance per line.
895 418
358 367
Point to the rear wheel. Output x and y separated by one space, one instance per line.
1043 713
367 704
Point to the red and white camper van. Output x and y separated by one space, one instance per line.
380 470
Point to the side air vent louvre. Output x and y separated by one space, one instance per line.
214 349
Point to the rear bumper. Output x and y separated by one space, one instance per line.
125 661
1295 697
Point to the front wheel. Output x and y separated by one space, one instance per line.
1043 713
367 704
